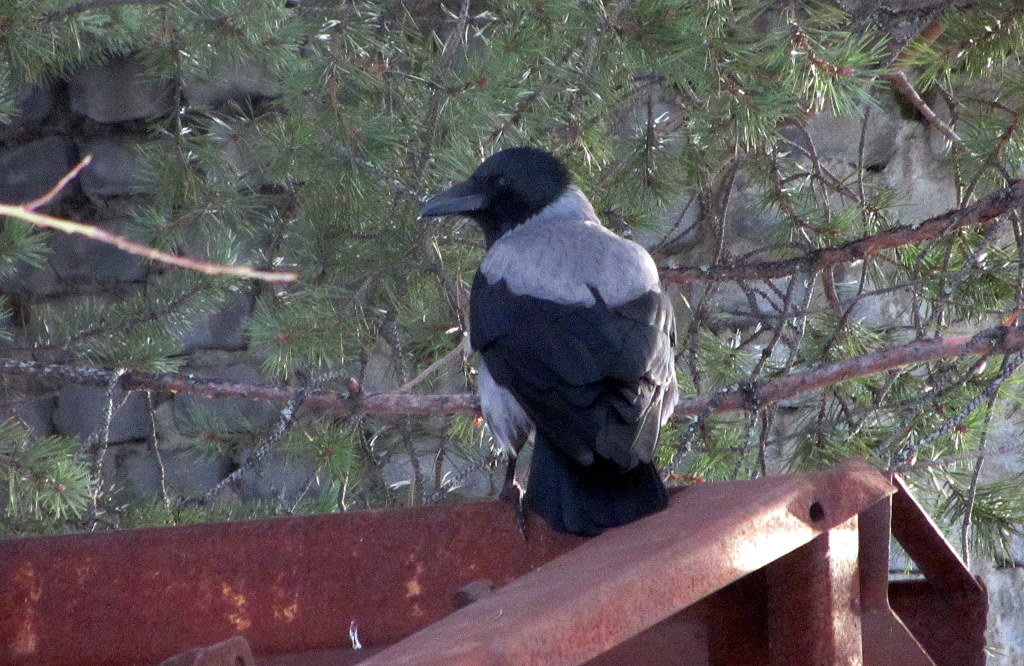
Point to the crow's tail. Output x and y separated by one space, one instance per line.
589 499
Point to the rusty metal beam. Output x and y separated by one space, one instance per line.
296 586
287 584
814 602
927 545
737 622
629 579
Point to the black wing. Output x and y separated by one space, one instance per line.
593 379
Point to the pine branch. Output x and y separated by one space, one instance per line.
992 206
27 212
999 339
97 4
383 403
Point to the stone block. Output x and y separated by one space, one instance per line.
119 90
81 411
838 137
186 474
474 480
32 169
233 414
278 476
34 413
231 82
115 169
223 329
79 258
1005 630
926 181
31 104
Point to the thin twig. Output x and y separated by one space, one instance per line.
27 212
900 81
972 490
154 436
44 200
284 421
138 249
99 448
1008 367
461 348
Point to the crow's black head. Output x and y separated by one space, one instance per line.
506 190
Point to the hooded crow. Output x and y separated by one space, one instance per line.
576 338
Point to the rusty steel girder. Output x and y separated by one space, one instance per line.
785 570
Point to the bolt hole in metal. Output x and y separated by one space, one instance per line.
817 512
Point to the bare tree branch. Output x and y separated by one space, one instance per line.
999 339
902 84
384 403
749 396
45 200
27 213
990 207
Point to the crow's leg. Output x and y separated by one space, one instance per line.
512 491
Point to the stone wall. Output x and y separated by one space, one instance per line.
103 111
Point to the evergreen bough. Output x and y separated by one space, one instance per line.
648 101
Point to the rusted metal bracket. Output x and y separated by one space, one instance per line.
947 610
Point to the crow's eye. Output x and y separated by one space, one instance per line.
501 182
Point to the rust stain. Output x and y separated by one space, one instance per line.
240 617
413 588
28 582
29 590
84 573
26 641
287 613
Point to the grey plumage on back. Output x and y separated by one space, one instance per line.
564 251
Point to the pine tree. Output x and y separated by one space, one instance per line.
650 103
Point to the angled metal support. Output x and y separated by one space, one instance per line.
886 639
946 611
629 579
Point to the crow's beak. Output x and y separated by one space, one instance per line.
457 199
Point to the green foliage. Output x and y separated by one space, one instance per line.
20 245
46 479
372 106
997 512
